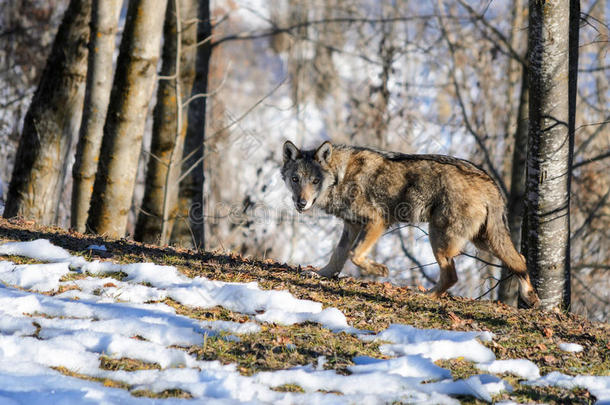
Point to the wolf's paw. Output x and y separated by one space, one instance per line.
326 272
310 273
377 269
432 293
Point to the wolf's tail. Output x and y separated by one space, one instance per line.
501 245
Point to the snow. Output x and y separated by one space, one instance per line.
40 249
571 347
599 386
519 367
96 316
434 344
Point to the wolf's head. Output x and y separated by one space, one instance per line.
306 173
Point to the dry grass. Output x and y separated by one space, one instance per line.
528 334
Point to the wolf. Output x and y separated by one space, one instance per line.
370 190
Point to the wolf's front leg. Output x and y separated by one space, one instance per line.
341 252
370 234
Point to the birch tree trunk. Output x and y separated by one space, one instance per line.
190 227
133 84
104 24
546 229
169 126
51 122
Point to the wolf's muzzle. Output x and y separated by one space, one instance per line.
301 204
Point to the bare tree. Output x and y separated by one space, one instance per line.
551 125
515 148
131 93
508 289
190 225
104 23
159 205
52 122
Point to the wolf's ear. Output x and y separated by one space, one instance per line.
323 152
291 152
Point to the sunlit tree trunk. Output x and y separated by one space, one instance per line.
104 23
551 114
161 194
190 226
131 92
52 122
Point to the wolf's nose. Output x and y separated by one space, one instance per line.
301 203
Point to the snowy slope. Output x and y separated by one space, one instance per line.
100 316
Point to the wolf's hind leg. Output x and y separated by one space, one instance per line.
369 236
445 248
341 252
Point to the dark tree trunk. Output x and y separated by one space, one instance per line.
161 194
132 88
189 229
104 24
508 289
52 122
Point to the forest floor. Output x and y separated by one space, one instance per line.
517 333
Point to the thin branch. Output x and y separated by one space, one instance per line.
481 260
414 260
591 160
591 266
458 93
275 30
210 93
600 203
479 17
494 286
232 123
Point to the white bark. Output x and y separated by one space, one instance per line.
548 166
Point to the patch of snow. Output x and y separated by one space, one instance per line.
97 247
479 386
434 344
599 386
519 367
571 347
41 249
37 277
406 366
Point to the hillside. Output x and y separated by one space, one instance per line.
259 339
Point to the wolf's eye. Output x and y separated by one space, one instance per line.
295 179
316 181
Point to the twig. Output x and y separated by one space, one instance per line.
494 286
478 139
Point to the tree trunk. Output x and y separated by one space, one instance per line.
546 231
104 24
51 122
161 193
515 148
514 76
508 289
131 92
190 226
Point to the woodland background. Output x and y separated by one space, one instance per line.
416 77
